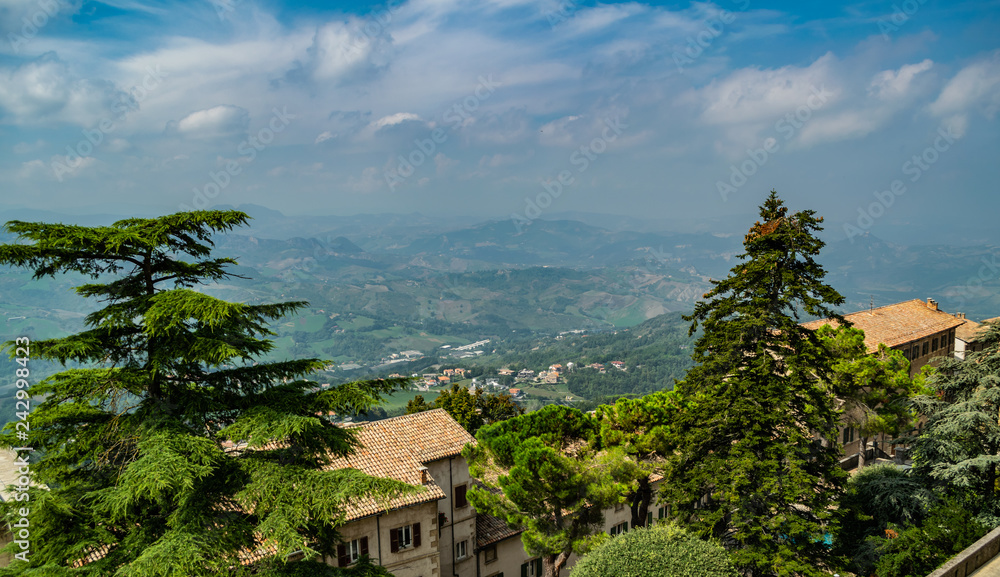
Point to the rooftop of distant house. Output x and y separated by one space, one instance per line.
898 323
969 332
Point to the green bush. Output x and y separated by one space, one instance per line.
661 551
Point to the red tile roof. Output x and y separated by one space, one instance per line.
397 448
896 324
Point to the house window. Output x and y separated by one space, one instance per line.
460 496
461 550
350 551
532 568
404 537
934 344
649 519
916 352
661 512
619 528
926 344
490 554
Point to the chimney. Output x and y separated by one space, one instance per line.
424 476
932 304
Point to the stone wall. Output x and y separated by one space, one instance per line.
974 557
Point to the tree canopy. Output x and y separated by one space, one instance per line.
661 551
959 448
167 448
875 388
472 410
538 473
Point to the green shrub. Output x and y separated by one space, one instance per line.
661 551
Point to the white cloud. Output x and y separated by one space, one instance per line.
45 89
324 136
977 86
219 122
32 169
891 85
394 119
754 95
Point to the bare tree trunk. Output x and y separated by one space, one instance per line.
552 564
639 504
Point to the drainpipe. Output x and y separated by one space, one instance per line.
451 504
378 533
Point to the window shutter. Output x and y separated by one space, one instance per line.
460 496
416 535
364 546
649 518
342 559
538 567
394 540
524 570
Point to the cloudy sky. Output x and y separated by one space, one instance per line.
880 115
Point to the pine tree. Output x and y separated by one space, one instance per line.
750 469
134 443
642 430
959 449
537 472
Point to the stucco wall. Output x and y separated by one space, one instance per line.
449 474
422 561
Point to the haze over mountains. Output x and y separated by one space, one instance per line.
624 258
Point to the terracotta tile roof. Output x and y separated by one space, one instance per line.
490 529
968 331
896 324
432 435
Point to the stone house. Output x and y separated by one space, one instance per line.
924 333
425 534
917 328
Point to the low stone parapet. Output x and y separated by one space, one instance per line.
972 558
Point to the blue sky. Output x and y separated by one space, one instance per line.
683 111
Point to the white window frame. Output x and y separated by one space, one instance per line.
354 550
405 537
461 550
